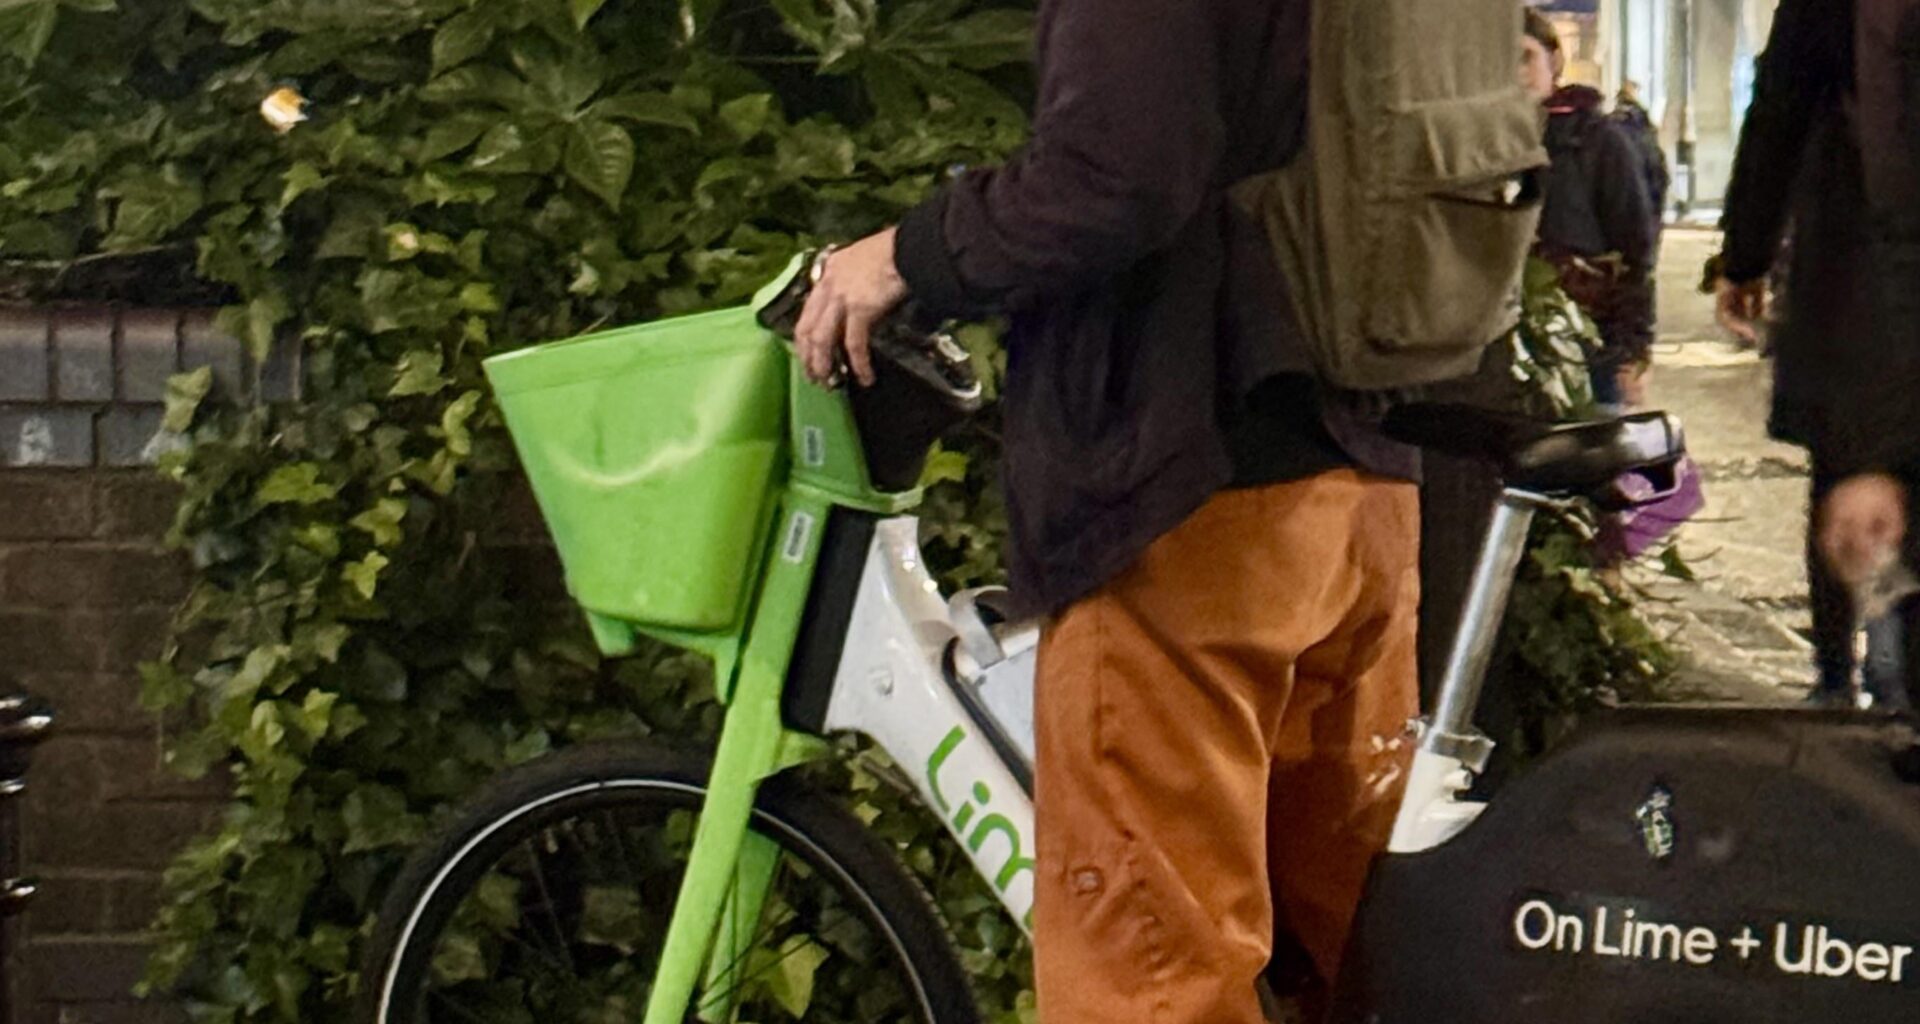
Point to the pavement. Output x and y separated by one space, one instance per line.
1740 626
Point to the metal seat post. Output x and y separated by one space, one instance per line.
1451 730
1451 749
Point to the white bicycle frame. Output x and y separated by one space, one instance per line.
908 652
892 687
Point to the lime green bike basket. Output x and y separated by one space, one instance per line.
655 453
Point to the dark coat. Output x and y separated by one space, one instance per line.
1634 120
1597 200
1107 243
1597 206
1847 348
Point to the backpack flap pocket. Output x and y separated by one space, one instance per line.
1455 206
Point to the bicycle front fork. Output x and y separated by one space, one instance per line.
730 868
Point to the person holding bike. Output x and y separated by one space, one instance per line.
1227 549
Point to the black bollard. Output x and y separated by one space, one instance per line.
25 722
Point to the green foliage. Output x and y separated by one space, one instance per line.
1572 640
1551 347
471 177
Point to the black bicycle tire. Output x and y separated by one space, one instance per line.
830 838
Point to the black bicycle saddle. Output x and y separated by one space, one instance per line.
1555 459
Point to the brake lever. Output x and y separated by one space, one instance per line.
781 315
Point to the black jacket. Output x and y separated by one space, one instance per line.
1634 120
1847 366
1597 200
1107 241
1597 205
1803 79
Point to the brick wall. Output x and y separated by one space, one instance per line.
86 591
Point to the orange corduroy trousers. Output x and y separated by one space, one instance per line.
1221 739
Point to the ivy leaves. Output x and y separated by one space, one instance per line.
550 99
297 483
600 157
463 37
150 205
26 26
650 108
377 816
372 631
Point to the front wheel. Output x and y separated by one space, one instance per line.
548 901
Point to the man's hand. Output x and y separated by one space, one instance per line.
1632 380
859 286
1741 307
1862 525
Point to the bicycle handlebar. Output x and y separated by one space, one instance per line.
924 383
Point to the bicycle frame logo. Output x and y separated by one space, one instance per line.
978 798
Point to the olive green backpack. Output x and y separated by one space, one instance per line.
1403 227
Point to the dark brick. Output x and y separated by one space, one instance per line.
40 435
144 576
19 995
133 903
154 1012
148 575
133 435
54 577
133 636
89 702
149 353
45 505
98 773
38 641
64 576
131 770
134 505
68 905
280 373
135 836
84 970
203 344
64 777
83 356
91 770
24 365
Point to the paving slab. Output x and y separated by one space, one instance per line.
1740 627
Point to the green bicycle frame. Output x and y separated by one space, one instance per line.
729 870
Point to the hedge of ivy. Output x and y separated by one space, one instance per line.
471 176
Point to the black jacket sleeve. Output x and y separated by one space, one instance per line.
1620 196
1127 141
1809 57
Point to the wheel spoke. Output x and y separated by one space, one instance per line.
553 910
763 929
619 835
771 966
541 951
